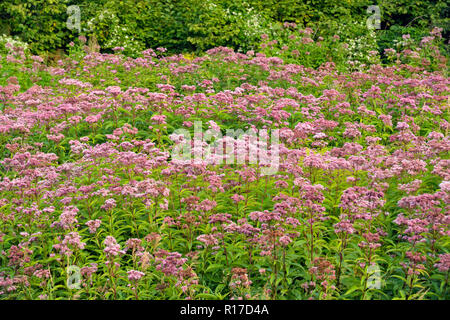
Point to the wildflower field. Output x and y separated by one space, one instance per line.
118 179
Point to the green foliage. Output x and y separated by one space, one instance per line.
421 13
135 25
191 25
41 23
305 11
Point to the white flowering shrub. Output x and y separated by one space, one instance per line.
7 43
114 33
228 24
360 46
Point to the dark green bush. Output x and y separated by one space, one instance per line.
419 13
41 23
136 25
305 11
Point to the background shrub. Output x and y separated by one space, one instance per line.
197 25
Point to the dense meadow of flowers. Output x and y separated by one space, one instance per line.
358 208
